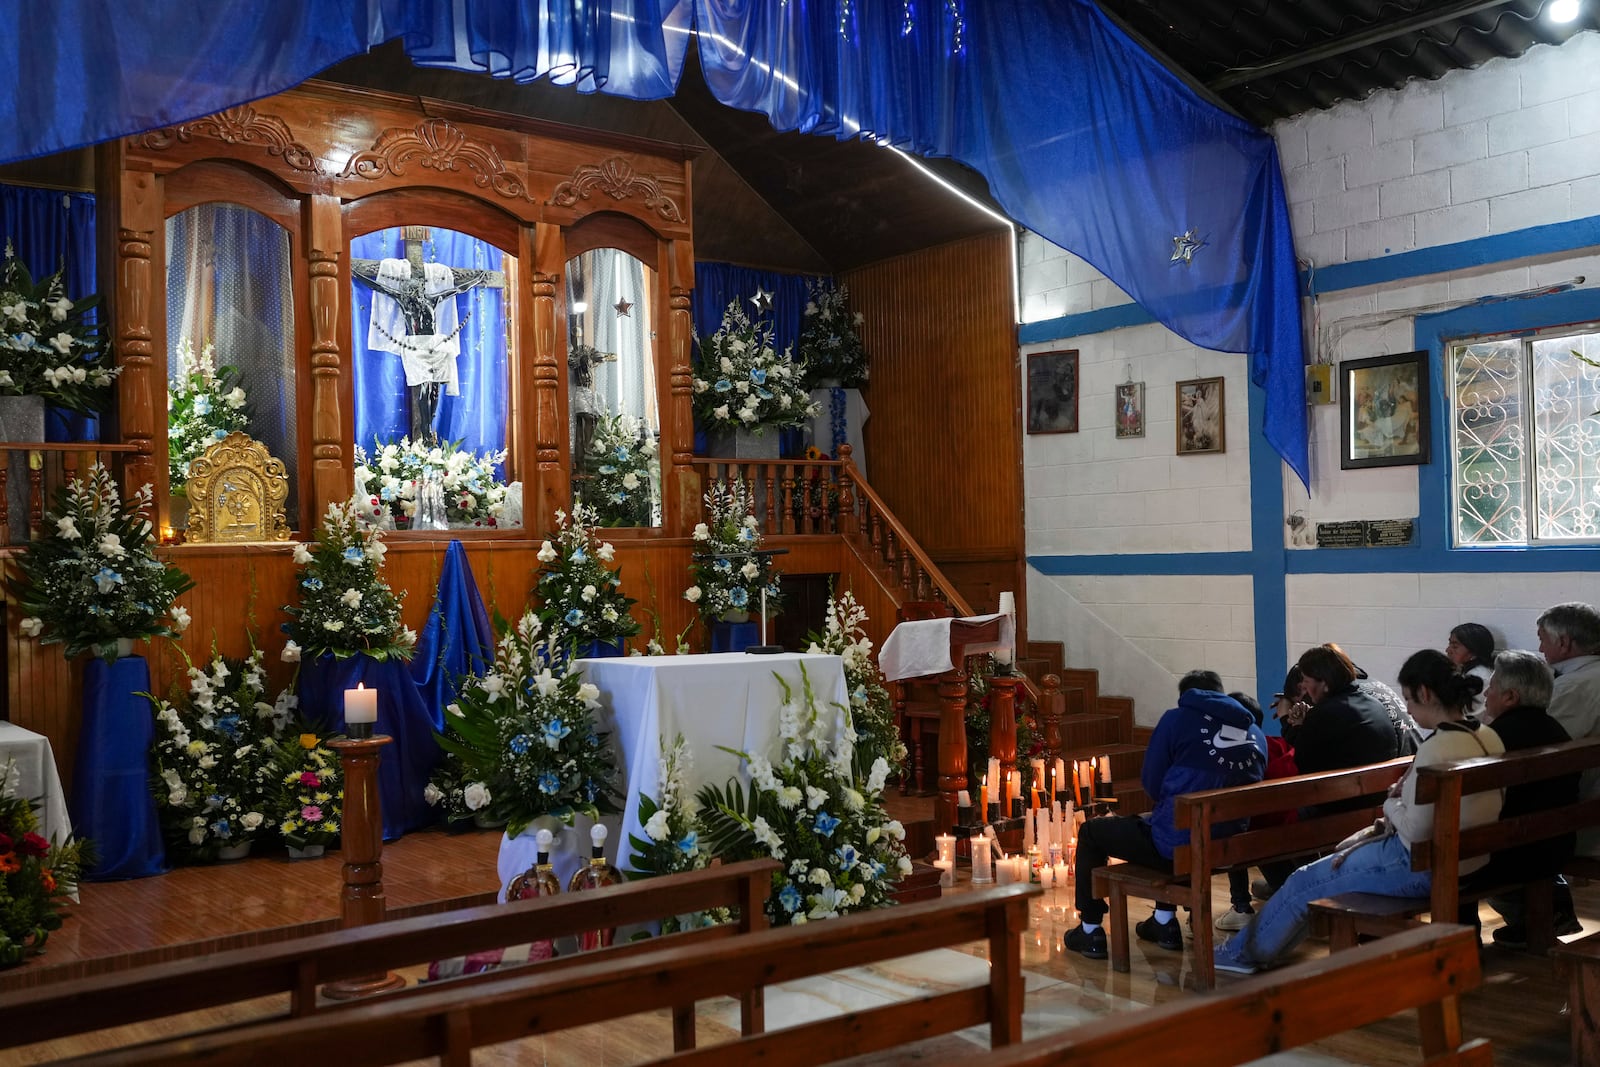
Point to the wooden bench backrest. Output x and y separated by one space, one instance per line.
1424 968
300 966
448 1021
1444 784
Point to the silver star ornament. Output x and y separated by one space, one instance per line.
1185 245
762 301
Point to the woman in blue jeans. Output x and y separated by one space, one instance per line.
1378 859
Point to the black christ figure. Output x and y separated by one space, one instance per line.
418 304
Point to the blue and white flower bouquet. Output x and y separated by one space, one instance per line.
388 481
830 348
205 403
618 475
844 634
742 383
578 590
48 345
672 832
728 572
345 607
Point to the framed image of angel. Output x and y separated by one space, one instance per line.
1129 416
1202 422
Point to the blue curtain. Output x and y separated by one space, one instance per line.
457 640
715 284
1084 137
476 418
48 228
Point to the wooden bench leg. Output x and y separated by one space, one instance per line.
1117 928
1205 969
1341 932
1538 915
1583 1002
1439 1026
753 1011
683 1028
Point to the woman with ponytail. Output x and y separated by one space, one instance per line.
1471 649
1378 859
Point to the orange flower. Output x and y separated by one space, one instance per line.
308 741
10 863
48 880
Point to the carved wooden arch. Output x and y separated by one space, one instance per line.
609 229
426 206
231 181
616 181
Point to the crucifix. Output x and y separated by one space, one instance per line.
414 316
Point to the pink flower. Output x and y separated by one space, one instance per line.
309 778
311 813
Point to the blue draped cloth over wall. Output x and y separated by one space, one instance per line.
476 418
457 639
1084 137
111 803
48 228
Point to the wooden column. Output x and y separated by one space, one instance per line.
1052 705
132 209
330 481
551 479
361 840
1003 727
952 745
849 524
681 480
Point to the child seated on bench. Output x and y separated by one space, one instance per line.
1378 859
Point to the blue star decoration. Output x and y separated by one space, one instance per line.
1185 245
762 301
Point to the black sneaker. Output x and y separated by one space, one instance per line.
1092 945
1168 935
1515 935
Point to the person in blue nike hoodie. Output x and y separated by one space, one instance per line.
1209 741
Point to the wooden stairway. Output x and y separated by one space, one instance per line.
1094 724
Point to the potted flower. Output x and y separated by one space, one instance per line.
526 736
618 474
730 572
577 589
392 483
742 387
308 799
813 812
829 347
213 762
36 877
93 583
844 634
204 404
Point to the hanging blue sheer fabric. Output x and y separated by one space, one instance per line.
457 640
47 228
1084 137
476 418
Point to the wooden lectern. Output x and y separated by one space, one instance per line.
952 685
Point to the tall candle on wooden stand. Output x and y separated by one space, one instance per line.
360 710
763 615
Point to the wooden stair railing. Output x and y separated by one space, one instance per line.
51 464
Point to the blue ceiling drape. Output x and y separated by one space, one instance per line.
1083 136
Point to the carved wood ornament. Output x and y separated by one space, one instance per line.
237 493
238 125
434 144
618 180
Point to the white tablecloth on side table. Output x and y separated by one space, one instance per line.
918 649
34 777
729 700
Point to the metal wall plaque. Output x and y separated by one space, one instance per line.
1366 533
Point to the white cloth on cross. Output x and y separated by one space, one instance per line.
426 357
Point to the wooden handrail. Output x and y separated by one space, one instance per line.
64 446
868 501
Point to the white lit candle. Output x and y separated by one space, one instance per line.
982 863
763 615
1061 775
360 705
947 873
946 844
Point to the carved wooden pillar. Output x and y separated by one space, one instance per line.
952 744
554 489
682 480
1003 727
134 350
1052 704
362 900
849 525
330 482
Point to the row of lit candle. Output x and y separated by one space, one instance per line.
1007 790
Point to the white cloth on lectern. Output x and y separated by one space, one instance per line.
915 649
425 357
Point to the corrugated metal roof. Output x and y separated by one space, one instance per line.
1271 59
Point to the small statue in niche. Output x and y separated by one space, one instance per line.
584 404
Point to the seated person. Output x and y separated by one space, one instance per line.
1378 859
1471 649
1280 764
1569 640
1514 707
1209 741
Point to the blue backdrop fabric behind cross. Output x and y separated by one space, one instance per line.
403 765
111 804
457 640
48 229
1083 136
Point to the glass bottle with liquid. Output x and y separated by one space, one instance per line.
537 881
595 875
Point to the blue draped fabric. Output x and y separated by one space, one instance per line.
457 640
111 803
715 284
476 418
47 228
1084 137
405 764
734 636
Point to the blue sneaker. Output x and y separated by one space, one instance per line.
1233 966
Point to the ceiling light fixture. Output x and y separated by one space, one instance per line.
1563 10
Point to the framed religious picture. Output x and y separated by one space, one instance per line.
1201 417
1383 411
1053 392
1129 416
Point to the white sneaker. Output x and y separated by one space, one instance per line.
1235 918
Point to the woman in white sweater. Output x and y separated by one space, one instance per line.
1378 859
1471 649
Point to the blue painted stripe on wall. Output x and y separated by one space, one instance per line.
1267 564
1144 563
1478 252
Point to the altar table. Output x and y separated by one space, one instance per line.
34 777
729 700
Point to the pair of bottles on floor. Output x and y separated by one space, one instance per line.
540 881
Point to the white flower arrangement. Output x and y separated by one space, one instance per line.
742 383
619 475
388 479
345 607
814 813
844 634
214 759
47 345
577 588
672 832
728 572
829 346
95 577
204 404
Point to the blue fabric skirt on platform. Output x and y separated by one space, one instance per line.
111 801
404 765
600 650
734 636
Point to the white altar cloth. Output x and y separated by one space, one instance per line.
916 649
725 699
34 777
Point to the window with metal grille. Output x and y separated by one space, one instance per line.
1525 438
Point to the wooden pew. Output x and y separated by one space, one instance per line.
1353 915
451 1020
1426 969
299 967
1194 864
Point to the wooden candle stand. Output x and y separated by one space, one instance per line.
361 901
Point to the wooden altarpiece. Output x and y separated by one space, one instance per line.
329 163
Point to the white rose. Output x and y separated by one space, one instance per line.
301 555
180 618
62 342
656 828
750 570
589 693
67 527
351 598
290 653
431 794
606 552
701 532
630 481
251 819
32 626
692 594
547 552
235 399
904 863
589 593
720 412
476 796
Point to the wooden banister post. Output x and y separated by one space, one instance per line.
1003 726
330 482
1052 705
849 525
952 745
